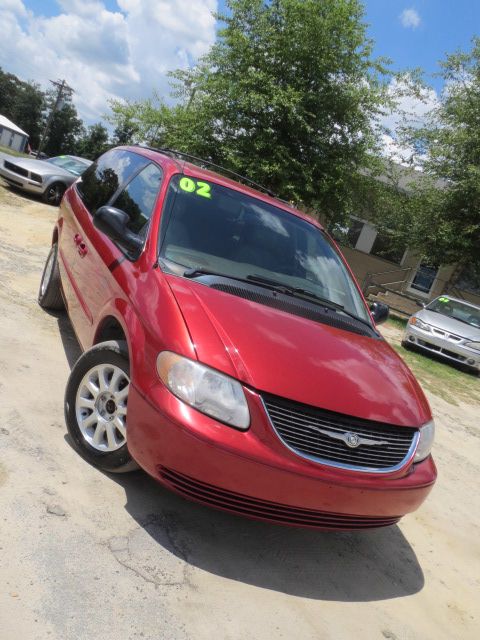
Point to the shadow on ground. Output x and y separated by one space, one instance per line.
346 567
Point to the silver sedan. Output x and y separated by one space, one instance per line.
47 178
448 327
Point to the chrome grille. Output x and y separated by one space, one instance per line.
304 430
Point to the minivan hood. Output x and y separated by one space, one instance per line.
449 324
299 359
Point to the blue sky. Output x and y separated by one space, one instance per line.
124 48
445 26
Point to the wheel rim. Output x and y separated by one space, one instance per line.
47 273
101 407
53 194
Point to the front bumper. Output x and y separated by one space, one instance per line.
454 351
21 182
253 474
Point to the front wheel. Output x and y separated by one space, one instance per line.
53 193
96 403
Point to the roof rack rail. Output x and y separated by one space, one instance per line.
202 161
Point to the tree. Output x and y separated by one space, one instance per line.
93 142
22 103
442 219
289 95
64 128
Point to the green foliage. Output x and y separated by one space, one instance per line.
65 126
289 95
93 142
444 214
22 103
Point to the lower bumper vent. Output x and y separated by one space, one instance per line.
265 510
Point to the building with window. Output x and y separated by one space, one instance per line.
381 268
12 136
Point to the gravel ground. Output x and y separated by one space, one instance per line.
85 555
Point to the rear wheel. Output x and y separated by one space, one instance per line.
50 292
96 401
53 193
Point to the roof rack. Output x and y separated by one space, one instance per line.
208 163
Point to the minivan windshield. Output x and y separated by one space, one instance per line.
210 227
457 310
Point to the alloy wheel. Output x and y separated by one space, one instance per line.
101 407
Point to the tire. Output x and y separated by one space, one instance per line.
50 292
53 193
95 412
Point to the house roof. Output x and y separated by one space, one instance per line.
8 124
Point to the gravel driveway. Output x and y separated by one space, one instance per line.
85 555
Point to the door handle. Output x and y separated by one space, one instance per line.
82 249
77 238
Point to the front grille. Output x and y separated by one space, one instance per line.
13 167
243 505
303 428
447 336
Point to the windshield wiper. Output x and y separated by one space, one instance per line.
286 288
194 272
280 287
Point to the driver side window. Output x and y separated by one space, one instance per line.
138 198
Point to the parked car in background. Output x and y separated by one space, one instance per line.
449 328
47 178
228 349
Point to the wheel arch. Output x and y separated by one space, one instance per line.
119 321
110 328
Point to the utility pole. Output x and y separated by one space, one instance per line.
62 89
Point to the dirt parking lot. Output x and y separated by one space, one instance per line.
85 555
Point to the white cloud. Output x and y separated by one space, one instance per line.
410 18
105 54
410 110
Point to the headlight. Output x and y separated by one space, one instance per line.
473 345
427 434
205 389
419 323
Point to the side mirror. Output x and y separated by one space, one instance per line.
113 223
380 311
420 304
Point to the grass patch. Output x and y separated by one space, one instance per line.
397 322
441 379
11 152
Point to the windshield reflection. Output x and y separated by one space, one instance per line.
207 226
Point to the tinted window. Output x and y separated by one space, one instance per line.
102 179
138 198
217 228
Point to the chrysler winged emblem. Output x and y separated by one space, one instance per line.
352 440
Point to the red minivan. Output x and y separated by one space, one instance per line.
228 350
